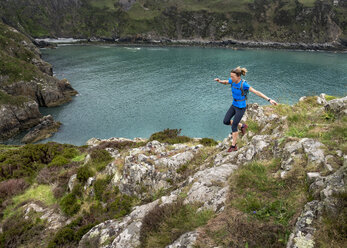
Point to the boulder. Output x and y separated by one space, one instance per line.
210 187
186 240
43 130
337 106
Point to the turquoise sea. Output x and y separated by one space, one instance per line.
136 91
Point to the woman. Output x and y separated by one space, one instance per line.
238 106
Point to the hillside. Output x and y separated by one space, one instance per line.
284 187
26 83
286 21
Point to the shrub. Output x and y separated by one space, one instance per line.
59 161
208 142
70 153
27 160
98 156
70 235
120 207
69 204
100 186
18 231
12 187
83 173
170 136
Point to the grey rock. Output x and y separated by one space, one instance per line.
312 176
72 182
304 229
186 240
15 118
337 106
321 99
43 130
210 186
90 181
54 220
122 233
112 151
313 150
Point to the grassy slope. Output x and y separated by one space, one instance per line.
259 203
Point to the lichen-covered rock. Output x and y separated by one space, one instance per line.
54 219
72 182
186 240
210 187
337 106
313 150
119 233
303 233
43 130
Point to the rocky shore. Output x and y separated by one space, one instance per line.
26 83
284 187
225 43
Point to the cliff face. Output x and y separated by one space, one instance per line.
258 20
25 77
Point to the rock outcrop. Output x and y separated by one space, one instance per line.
208 184
18 117
25 74
43 130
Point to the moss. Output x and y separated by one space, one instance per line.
12 100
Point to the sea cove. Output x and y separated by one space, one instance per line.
136 91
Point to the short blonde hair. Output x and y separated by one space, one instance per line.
239 71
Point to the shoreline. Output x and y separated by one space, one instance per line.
228 44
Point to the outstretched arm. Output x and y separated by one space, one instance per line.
221 81
258 93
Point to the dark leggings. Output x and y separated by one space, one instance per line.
237 113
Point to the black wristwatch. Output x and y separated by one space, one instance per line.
269 100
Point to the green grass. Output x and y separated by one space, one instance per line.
257 193
253 126
41 193
79 158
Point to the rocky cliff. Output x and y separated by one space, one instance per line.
26 83
294 21
284 187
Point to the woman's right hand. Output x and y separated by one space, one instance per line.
217 79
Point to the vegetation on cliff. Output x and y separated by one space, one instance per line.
55 195
306 21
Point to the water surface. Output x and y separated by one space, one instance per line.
136 91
